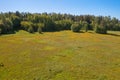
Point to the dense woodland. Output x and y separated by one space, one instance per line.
11 22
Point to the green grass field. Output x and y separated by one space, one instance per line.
60 56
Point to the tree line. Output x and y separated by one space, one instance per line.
47 22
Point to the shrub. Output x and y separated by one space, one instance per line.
30 29
1 27
76 27
39 30
6 25
40 26
9 25
58 25
63 25
16 22
100 29
27 26
49 24
85 25
0 30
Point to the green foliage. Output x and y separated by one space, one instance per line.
6 25
63 25
27 26
85 25
17 13
16 22
1 26
40 26
49 25
76 27
30 29
0 30
58 25
100 29
13 21
39 30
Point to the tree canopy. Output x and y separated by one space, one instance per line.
38 22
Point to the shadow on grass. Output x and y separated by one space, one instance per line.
12 32
91 32
80 32
113 34
40 33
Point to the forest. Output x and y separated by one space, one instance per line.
10 22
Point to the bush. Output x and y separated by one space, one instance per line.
27 26
85 25
63 25
40 26
76 27
30 29
1 27
6 26
39 30
16 22
9 25
0 30
101 30
49 24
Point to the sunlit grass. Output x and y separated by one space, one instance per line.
60 56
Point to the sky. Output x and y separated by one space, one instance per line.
75 7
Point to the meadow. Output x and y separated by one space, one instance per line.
60 55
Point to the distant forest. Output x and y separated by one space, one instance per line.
11 22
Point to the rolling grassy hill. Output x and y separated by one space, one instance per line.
60 56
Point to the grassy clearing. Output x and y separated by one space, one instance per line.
60 56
